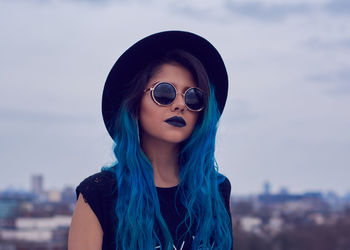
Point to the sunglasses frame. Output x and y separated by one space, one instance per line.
176 92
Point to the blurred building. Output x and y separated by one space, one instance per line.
37 184
54 195
68 195
37 233
10 204
267 188
251 224
36 220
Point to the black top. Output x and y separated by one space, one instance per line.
97 191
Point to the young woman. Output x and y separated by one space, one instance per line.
161 104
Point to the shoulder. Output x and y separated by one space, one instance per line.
99 191
224 185
85 230
225 190
97 185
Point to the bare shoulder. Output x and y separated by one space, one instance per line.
85 231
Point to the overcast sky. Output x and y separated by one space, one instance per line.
286 118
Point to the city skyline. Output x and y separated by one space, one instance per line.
266 221
285 117
38 189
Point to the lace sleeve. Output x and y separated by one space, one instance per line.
225 189
97 191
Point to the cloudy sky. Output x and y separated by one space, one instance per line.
287 115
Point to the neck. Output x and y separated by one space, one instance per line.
164 159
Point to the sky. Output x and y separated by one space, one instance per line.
286 119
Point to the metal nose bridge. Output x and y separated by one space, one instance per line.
179 92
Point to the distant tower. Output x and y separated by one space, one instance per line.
267 187
284 190
37 184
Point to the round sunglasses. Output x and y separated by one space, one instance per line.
164 94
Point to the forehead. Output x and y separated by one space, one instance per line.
174 73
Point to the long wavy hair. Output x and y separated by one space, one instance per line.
140 224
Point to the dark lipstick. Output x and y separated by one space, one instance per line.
176 121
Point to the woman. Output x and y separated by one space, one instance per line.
161 104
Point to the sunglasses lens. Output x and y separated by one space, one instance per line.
164 93
194 99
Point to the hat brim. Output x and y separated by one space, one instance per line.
134 59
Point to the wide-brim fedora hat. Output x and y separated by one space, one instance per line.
135 58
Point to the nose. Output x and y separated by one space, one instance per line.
179 103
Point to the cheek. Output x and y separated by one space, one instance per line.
148 114
144 113
192 121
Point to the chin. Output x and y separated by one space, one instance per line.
176 138
173 137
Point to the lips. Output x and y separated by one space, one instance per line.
176 121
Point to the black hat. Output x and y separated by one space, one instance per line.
155 46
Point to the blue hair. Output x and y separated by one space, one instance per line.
199 186
137 207
140 224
